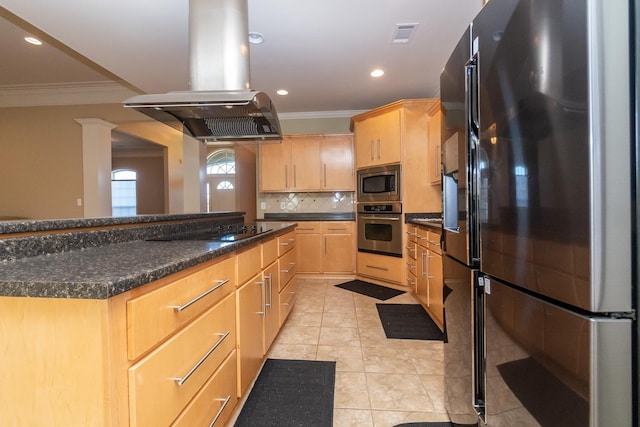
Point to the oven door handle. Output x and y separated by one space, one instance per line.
389 218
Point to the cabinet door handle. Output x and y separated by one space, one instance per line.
270 292
378 148
224 401
325 174
294 176
181 381
286 176
378 268
179 308
371 149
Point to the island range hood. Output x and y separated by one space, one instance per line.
220 106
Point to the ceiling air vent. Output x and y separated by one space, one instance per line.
403 32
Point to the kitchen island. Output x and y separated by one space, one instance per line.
102 327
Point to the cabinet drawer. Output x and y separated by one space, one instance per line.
411 250
157 314
309 227
337 227
249 263
434 242
269 252
286 242
287 268
412 233
286 299
412 280
156 396
215 402
379 266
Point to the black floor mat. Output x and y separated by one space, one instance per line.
408 322
291 393
370 289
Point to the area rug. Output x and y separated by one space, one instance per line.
408 322
546 398
290 393
370 289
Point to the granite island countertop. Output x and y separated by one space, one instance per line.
105 271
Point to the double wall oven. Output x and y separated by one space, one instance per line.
380 211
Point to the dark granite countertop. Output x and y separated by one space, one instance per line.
310 216
432 220
29 225
105 271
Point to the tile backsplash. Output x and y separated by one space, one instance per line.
340 201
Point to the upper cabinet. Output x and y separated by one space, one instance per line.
400 133
307 163
377 139
434 144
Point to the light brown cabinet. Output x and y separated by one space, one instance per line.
325 247
176 340
378 139
307 163
387 268
424 270
434 156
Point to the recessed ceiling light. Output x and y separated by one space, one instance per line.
377 73
33 40
282 92
256 38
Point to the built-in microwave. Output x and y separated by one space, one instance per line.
379 184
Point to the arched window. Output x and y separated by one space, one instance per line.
123 192
224 185
221 162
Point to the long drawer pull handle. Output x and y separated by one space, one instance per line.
220 284
221 410
305 229
378 268
293 295
337 229
181 381
292 264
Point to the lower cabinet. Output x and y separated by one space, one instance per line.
175 371
178 351
259 302
250 317
325 247
387 268
424 269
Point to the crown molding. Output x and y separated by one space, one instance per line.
63 94
320 114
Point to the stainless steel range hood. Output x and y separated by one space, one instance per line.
220 105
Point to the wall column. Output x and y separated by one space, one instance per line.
96 166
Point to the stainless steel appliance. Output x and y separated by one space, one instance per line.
380 228
379 184
550 313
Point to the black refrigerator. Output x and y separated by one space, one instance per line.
540 174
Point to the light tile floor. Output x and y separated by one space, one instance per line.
380 382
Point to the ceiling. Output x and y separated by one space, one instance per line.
321 51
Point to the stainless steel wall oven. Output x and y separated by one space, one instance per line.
380 228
